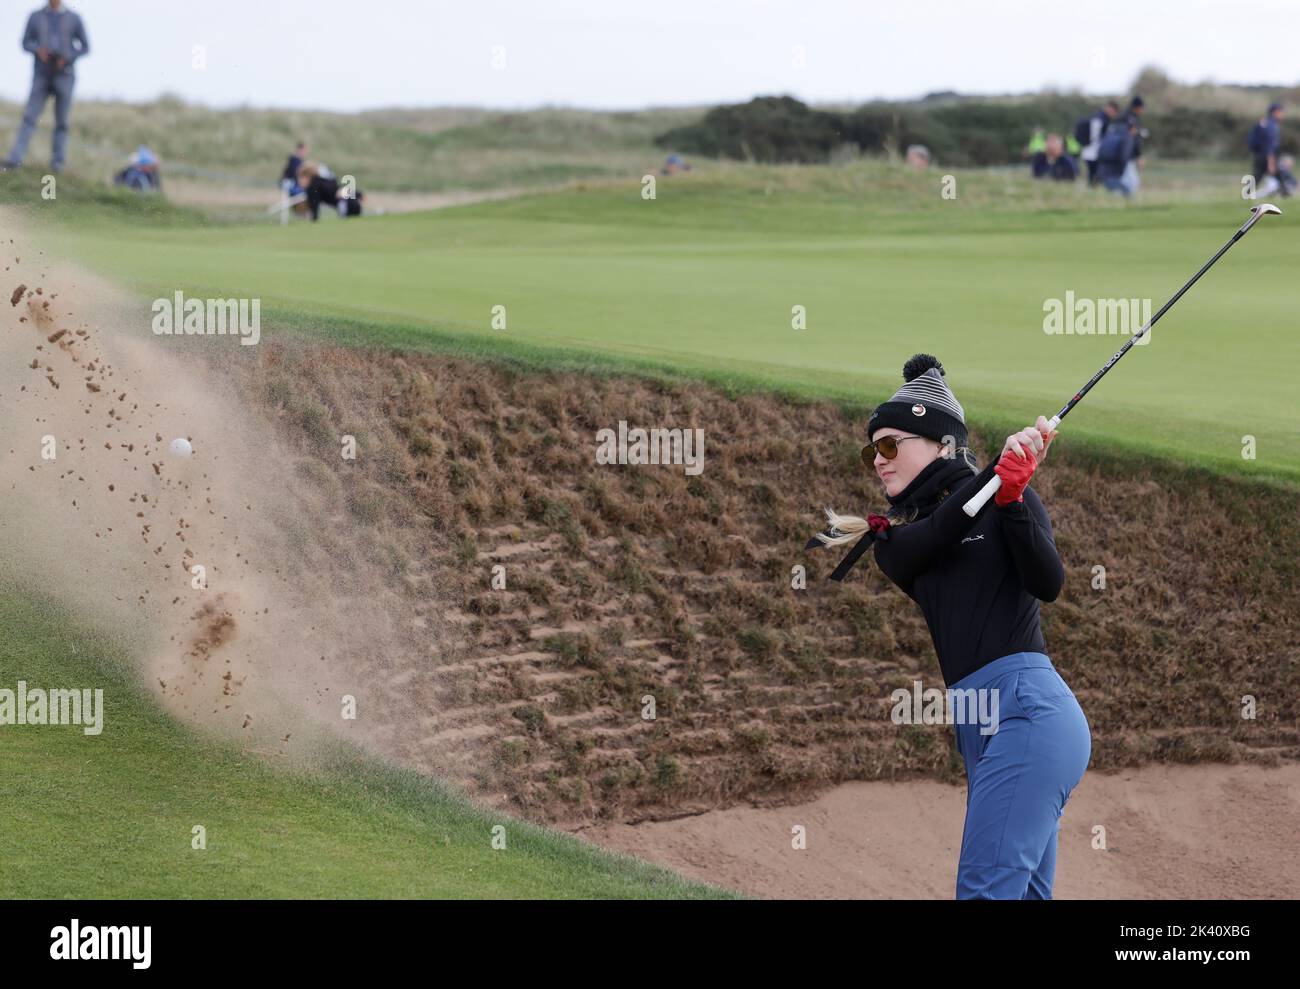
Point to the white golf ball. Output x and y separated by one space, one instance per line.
180 447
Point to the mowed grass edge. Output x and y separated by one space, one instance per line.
111 816
1123 452
1162 403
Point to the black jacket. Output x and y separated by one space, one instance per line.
978 581
322 190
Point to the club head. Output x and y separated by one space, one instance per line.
1263 209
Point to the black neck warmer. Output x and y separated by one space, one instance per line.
928 489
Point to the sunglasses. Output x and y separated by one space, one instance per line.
886 446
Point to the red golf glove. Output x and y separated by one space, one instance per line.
1015 473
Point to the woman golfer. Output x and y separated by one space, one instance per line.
978 581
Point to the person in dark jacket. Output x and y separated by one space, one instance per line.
1265 143
289 177
1053 163
1116 154
1093 127
320 186
1133 168
56 39
979 581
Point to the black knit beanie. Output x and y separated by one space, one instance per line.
925 405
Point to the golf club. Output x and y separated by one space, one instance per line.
985 493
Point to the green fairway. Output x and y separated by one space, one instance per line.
703 279
112 815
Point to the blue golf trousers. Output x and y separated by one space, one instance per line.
46 83
1018 777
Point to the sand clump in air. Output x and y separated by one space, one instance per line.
214 568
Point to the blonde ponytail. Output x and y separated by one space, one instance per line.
843 528
849 528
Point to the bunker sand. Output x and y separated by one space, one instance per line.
1171 832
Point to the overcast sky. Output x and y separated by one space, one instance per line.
349 54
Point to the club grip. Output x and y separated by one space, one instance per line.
991 486
981 496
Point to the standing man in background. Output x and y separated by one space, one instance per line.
1265 138
1116 153
1089 131
1133 170
56 38
289 178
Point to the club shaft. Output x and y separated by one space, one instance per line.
990 488
1065 410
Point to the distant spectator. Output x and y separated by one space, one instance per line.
1264 141
1073 148
1037 143
1133 170
674 164
1052 162
142 173
918 156
320 186
289 177
1286 174
1089 130
57 38
1115 156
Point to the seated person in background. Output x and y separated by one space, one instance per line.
318 182
1053 163
918 157
674 164
1073 148
289 178
1286 179
142 173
